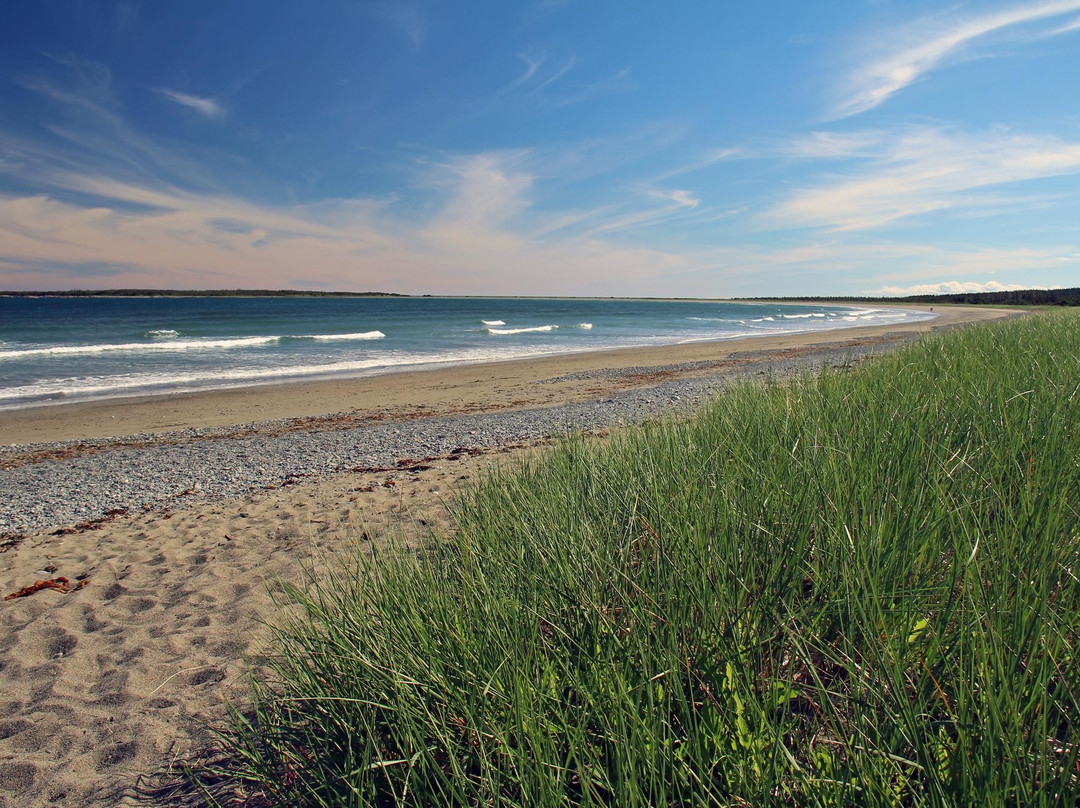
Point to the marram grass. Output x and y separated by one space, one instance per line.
859 588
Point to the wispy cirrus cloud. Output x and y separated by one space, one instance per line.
710 158
98 196
668 204
835 145
405 17
95 135
928 44
83 84
1067 27
479 239
553 76
96 217
618 82
925 170
532 65
542 74
207 107
94 198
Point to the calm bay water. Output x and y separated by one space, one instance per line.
54 350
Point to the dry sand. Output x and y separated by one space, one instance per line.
118 678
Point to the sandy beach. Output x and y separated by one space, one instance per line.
121 675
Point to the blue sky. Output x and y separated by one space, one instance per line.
562 147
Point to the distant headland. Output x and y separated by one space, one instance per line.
1019 297
197 293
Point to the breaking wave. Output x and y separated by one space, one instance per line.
141 347
507 331
340 337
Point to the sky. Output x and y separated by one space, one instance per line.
540 147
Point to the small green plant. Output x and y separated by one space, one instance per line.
859 588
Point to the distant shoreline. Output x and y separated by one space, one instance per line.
1020 297
151 293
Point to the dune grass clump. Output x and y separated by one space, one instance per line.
858 588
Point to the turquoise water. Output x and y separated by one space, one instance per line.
54 350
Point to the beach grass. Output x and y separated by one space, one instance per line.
855 588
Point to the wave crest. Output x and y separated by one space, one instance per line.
140 347
356 336
508 331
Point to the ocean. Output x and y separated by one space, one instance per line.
55 350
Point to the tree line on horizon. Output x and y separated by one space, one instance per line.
1018 297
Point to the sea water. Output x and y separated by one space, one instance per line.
54 350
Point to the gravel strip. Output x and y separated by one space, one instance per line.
623 373
73 491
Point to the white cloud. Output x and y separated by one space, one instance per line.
926 49
204 106
478 240
710 158
549 79
475 241
952 288
606 221
486 191
684 199
835 145
618 82
1067 27
98 139
538 83
927 170
106 197
531 66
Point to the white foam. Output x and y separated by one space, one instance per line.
586 326
256 367
507 331
162 333
493 322
723 335
140 347
72 389
357 336
97 385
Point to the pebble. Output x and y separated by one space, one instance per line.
57 493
